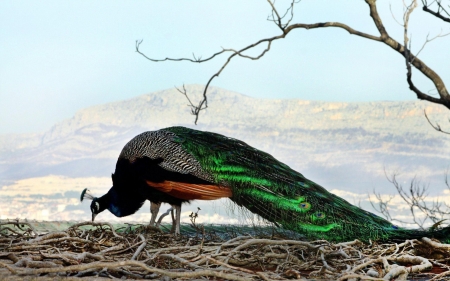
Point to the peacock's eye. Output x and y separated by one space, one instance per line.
317 216
305 205
95 207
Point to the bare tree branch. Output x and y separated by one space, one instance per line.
278 20
413 60
439 10
287 27
428 40
240 258
197 60
409 59
382 207
437 127
415 197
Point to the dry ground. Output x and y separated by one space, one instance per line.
96 251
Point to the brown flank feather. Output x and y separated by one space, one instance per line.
189 191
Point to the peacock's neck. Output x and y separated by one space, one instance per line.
114 202
123 202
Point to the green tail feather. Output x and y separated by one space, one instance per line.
283 196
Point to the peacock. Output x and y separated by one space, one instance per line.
176 165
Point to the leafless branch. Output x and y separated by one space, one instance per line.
197 60
393 16
20 225
415 198
277 19
195 109
141 247
286 27
409 58
428 40
436 126
240 258
382 205
440 8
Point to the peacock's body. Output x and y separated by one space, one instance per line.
178 164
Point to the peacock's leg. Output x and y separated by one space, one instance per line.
174 223
178 219
154 209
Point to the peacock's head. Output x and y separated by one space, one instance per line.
96 205
95 208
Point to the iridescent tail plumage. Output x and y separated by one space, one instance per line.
274 191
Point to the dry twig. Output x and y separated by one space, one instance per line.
131 255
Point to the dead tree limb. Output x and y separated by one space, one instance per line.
241 258
415 197
436 126
285 26
438 12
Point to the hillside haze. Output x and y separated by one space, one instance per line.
343 146
326 139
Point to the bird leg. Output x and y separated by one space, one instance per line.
154 209
174 225
178 219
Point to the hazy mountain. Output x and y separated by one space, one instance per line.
339 145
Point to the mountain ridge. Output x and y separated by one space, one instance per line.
326 140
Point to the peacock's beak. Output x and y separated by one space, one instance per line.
93 216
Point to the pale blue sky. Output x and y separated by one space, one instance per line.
57 57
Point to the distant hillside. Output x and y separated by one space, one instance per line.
339 145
